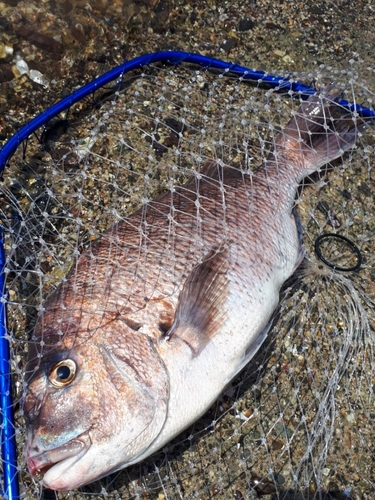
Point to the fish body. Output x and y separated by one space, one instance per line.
166 307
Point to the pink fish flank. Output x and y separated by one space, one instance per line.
166 307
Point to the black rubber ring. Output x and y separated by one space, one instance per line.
343 238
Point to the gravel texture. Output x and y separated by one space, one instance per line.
312 387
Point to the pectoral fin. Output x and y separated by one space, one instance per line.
202 308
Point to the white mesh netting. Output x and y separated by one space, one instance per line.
298 422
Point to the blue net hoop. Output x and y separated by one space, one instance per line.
279 83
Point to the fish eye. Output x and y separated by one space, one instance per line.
63 373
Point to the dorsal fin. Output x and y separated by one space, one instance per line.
201 308
217 171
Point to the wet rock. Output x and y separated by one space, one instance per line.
5 50
12 3
40 40
263 486
229 44
246 25
6 73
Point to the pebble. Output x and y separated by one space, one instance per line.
263 486
245 25
228 45
20 68
279 478
37 77
6 73
5 50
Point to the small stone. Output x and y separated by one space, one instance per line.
262 486
246 25
40 40
5 50
277 445
346 194
248 412
37 77
6 73
229 44
279 53
20 68
256 394
279 478
350 417
287 59
273 26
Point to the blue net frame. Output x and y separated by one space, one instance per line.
279 83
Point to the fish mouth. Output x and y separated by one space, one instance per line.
63 456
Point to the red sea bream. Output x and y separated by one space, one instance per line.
166 307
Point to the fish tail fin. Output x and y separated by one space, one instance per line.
319 132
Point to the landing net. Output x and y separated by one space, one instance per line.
298 422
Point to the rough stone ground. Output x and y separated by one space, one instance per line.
68 43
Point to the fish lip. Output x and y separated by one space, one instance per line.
46 460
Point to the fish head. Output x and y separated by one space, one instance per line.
92 406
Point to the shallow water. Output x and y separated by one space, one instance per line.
300 416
